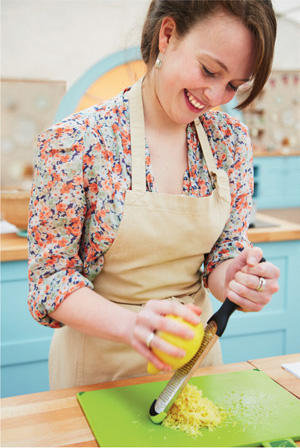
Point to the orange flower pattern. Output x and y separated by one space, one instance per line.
82 173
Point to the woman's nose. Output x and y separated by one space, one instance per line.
214 95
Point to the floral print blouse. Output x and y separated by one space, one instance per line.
82 173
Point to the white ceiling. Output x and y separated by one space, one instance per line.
288 8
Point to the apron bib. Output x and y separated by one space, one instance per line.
157 254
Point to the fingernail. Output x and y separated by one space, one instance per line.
252 260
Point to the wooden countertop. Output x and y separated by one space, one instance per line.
14 247
277 153
280 230
55 418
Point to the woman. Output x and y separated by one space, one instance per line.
132 196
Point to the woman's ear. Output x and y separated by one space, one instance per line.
167 31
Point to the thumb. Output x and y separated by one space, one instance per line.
254 256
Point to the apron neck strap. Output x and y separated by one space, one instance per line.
207 152
137 136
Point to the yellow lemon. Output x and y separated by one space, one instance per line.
190 346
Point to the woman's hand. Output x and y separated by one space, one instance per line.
153 318
249 283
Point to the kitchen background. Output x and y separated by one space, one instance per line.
62 56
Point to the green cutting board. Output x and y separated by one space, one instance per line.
260 410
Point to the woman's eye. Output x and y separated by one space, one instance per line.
213 75
207 72
232 87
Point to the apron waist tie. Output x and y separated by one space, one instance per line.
183 299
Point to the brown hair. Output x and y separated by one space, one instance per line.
258 17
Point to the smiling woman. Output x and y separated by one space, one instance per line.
258 17
208 75
145 188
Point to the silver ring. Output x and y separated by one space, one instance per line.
149 339
261 284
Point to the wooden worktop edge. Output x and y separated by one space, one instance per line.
276 153
284 231
14 247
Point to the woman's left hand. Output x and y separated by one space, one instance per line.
249 283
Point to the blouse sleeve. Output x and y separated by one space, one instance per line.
56 218
239 167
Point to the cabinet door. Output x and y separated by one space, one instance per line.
275 330
276 182
269 182
293 181
24 343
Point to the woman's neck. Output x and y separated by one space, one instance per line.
166 141
155 116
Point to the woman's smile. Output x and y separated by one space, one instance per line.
194 103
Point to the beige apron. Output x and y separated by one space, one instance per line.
157 254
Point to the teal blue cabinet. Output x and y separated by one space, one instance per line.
275 330
24 343
277 182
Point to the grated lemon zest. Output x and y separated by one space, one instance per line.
191 412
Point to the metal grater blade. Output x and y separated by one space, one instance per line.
182 375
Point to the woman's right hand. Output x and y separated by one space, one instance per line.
153 318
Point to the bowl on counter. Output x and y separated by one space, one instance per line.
15 207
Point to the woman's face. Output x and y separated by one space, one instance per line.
204 68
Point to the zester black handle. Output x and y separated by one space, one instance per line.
223 314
